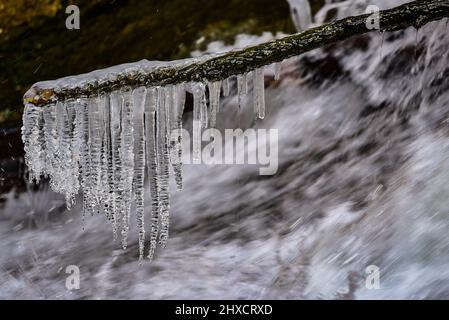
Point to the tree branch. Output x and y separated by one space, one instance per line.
220 67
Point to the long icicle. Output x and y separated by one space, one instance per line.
179 96
204 113
107 170
116 101
259 92
58 178
33 137
127 163
82 138
163 161
71 163
198 101
242 88
103 188
139 164
95 155
50 141
152 166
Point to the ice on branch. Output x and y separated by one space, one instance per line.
112 145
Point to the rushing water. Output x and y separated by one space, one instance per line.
362 180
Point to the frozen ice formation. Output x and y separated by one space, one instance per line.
109 146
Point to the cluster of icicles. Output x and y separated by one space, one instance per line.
108 146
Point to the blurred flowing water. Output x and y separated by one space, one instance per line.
362 180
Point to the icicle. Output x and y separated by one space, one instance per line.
32 137
169 99
198 101
100 165
176 142
127 155
242 87
139 164
56 183
58 180
116 101
50 142
214 101
163 164
95 155
72 112
81 136
106 172
152 166
204 113
277 70
259 92
70 165
226 87
64 179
